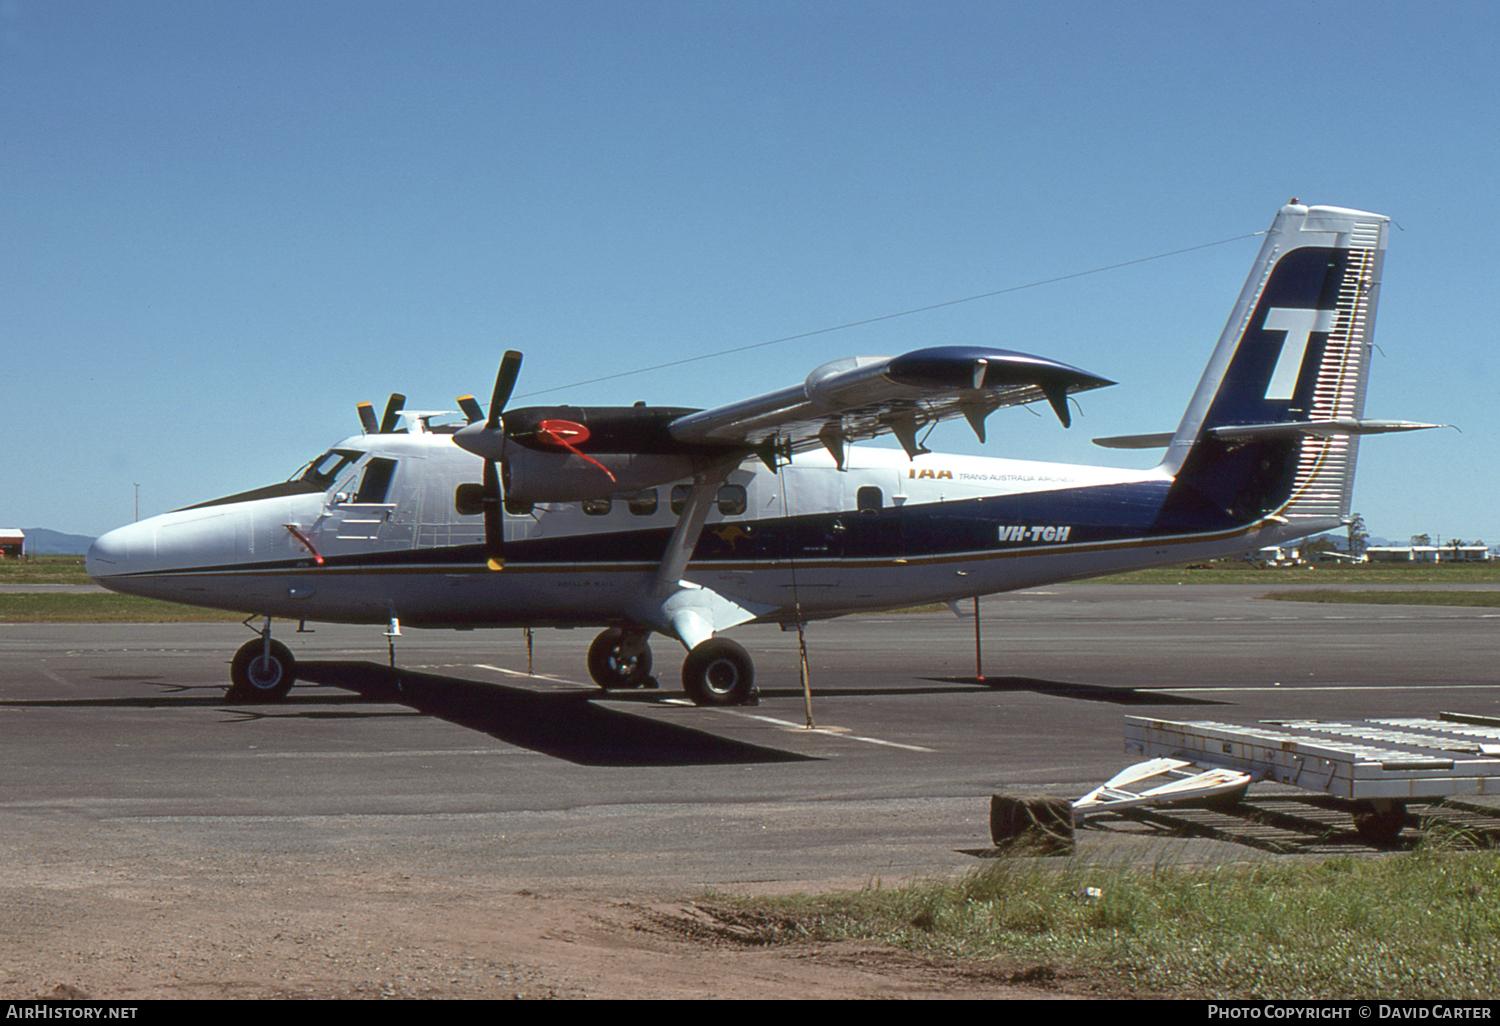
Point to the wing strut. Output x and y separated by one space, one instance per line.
679 608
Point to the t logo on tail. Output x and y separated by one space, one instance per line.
1299 323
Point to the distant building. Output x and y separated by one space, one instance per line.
1278 555
12 543
1429 553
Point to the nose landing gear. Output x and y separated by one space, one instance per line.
262 670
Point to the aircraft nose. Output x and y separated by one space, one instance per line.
112 552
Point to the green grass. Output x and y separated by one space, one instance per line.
1418 925
44 570
43 608
1235 572
1393 598
46 607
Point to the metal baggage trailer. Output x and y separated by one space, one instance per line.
1378 764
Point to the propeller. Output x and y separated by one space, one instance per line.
393 410
505 382
488 441
473 412
387 424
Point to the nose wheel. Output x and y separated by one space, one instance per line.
261 671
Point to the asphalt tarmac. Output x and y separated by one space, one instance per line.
459 761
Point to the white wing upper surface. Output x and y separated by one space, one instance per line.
862 397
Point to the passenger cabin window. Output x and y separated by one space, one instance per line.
732 500
869 500
376 482
596 507
643 504
468 499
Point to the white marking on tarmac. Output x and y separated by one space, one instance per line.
831 731
1334 687
523 673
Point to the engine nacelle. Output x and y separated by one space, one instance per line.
529 476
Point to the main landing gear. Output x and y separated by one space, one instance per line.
719 672
716 672
619 661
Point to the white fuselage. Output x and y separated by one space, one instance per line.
809 541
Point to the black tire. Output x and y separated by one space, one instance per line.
611 672
254 679
718 672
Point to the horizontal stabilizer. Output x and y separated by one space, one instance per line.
1286 429
1318 428
1156 441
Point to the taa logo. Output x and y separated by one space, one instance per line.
938 475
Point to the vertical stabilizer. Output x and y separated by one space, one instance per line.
1296 349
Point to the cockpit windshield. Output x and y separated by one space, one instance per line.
326 467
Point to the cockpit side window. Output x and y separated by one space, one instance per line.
326 467
376 482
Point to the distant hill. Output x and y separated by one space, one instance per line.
42 542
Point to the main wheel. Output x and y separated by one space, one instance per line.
718 672
612 671
255 677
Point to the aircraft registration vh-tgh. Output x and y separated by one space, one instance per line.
646 520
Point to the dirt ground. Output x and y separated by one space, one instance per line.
133 933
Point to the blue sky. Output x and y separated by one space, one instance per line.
225 224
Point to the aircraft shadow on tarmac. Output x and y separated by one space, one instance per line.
565 725
1086 692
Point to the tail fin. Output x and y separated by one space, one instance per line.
1272 430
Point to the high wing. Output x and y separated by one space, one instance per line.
545 454
866 396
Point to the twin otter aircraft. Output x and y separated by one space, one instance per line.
686 523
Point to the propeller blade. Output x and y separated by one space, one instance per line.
367 419
393 410
494 518
505 381
473 412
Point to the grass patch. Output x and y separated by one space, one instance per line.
111 608
1393 598
1237 572
43 570
1421 925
